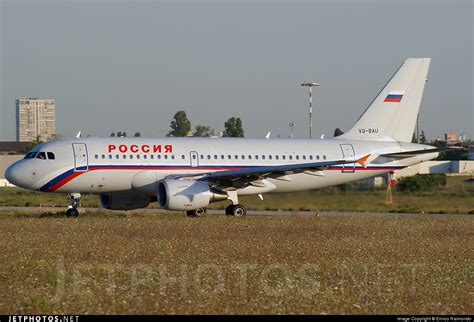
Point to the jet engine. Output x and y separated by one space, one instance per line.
176 194
119 201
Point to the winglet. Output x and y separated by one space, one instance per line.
363 161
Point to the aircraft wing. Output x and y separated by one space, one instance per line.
241 177
407 154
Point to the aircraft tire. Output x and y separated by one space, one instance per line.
72 212
196 213
239 211
229 211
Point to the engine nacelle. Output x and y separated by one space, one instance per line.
186 194
122 201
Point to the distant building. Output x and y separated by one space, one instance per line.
35 119
451 138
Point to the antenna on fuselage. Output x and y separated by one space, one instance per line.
78 135
268 135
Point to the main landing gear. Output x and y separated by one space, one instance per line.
235 210
72 209
197 212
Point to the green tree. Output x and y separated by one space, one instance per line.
423 139
137 134
202 130
338 132
233 127
31 145
180 125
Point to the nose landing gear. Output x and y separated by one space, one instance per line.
72 209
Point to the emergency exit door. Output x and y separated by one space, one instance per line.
80 157
348 153
194 158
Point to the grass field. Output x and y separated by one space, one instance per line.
456 198
168 263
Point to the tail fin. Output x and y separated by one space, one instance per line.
392 114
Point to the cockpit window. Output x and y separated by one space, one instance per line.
50 155
41 155
30 155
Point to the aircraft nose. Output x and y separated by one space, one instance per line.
17 175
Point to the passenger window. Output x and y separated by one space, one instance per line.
152 156
117 156
124 156
158 156
229 157
96 156
194 157
236 156
276 157
138 156
103 156
324 157
110 156
144 156
283 157
290 157
166 157
131 156
250 157
215 156
243 157
269 157
222 156
50 155
256 157
41 155
172 156
202 157
208 157
182 156
304 157
297 157
263 156
311 157
317 157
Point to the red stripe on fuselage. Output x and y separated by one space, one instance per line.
76 174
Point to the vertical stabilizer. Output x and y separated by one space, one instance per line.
392 114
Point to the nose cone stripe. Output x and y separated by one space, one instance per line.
60 180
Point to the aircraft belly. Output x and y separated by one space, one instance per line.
304 181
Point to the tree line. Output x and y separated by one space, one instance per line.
180 126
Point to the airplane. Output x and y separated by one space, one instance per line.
187 174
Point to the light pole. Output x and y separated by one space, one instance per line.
310 85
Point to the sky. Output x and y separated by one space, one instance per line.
131 65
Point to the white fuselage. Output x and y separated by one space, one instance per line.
108 165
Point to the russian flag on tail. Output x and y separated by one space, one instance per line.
394 96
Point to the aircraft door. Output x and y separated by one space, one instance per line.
80 157
348 153
194 157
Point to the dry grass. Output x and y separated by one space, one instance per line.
167 263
